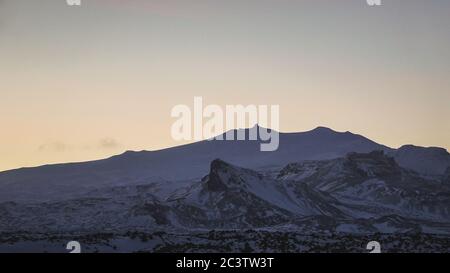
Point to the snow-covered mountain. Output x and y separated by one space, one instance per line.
432 160
318 182
175 164
191 161
376 182
370 186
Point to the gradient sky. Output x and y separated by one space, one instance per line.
81 83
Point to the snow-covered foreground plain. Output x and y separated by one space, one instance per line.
229 241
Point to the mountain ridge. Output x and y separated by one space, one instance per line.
140 152
362 193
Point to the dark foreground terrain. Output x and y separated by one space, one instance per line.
250 241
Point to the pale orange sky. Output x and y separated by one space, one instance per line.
81 83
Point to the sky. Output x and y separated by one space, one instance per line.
88 82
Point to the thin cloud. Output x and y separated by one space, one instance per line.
54 146
109 143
